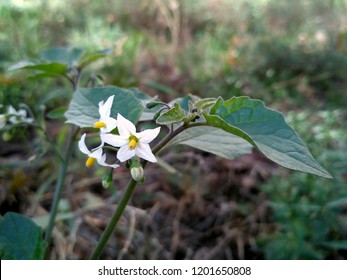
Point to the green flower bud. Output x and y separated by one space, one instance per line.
137 173
108 179
154 104
7 136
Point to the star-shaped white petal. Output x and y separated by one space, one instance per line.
130 142
96 154
106 123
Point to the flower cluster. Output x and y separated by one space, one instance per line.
14 117
128 142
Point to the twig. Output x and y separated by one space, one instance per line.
130 234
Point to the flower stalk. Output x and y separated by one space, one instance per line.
128 192
114 220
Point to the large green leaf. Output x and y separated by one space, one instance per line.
20 238
84 110
213 140
265 129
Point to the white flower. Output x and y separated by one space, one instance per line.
18 116
106 123
130 142
94 155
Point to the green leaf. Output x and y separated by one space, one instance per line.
184 101
88 58
265 129
148 114
213 140
64 55
43 75
57 113
175 115
204 103
53 68
145 98
84 110
20 238
153 104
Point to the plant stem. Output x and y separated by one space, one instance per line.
128 192
174 133
64 161
59 186
114 220
168 137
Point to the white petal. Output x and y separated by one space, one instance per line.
124 153
102 161
114 140
105 108
148 135
143 150
28 120
101 106
11 110
82 145
22 113
97 154
125 127
111 124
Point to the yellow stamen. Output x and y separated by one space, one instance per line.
132 143
99 125
90 161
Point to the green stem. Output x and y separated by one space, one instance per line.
174 133
50 140
59 186
64 161
128 192
114 220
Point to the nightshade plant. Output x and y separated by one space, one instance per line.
227 128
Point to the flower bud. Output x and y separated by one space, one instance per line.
108 179
7 136
137 173
154 104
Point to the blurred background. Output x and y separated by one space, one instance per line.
290 54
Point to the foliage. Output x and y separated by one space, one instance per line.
20 238
309 213
286 53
